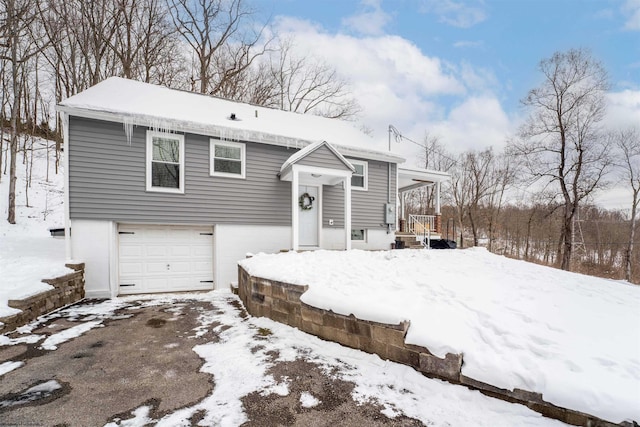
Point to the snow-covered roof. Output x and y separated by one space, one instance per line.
136 103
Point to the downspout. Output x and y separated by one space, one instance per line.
67 209
389 181
389 171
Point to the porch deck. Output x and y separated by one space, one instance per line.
411 241
418 228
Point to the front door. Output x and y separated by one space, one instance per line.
309 217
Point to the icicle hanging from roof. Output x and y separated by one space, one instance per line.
127 124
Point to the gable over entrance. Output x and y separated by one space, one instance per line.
316 165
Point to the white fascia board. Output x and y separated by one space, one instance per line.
217 131
424 174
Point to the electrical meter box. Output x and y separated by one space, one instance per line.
389 213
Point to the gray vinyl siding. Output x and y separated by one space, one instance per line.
323 157
367 207
107 181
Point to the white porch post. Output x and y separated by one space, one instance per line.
438 198
347 213
295 237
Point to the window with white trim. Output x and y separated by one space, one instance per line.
165 162
227 158
358 235
359 177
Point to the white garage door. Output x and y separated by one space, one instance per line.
163 258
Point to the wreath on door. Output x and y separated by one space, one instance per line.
306 201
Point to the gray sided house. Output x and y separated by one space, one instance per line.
167 190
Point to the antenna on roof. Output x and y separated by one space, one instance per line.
396 134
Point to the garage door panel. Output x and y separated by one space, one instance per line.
151 267
165 258
130 250
156 249
155 283
180 250
180 267
201 267
131 268
201 251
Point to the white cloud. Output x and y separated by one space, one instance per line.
370 21
458 14
623 109
631 11
391 60
396 83
477 123
478 79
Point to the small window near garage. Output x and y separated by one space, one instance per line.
358 235
359 177
165 162
227 159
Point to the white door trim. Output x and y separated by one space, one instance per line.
297 180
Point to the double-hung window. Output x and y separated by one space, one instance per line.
359 177
227 159
165 162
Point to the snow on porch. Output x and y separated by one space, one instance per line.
571 337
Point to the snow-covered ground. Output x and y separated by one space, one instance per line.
246 348
572 337
28 253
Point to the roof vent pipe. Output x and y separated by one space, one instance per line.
233 116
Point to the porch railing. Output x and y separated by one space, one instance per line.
422 226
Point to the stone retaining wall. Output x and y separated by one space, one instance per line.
66 290
281 302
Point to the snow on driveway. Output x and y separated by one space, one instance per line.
246 347
572 337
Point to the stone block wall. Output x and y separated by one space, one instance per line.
66 290
281 302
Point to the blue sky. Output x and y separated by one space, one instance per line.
507 37
458 68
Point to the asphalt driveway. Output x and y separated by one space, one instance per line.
199 359
139 354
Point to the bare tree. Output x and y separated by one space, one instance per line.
433 156
17 24
470 184
309 85
221 43
628 143
502 177
144 42
561 140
